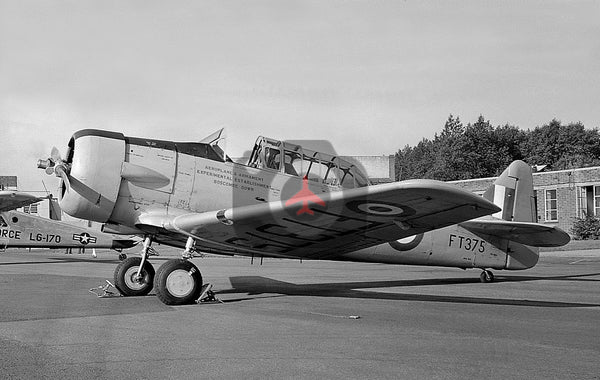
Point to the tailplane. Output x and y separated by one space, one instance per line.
517 221
513 193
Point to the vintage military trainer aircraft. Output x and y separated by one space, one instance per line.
21 230
192 195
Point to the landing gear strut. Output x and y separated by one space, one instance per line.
134 276
486 276
179 282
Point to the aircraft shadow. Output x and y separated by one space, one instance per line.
257 285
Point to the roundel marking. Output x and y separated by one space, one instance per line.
407 243
380 208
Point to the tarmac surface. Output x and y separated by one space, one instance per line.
315 319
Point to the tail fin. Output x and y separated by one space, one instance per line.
513 192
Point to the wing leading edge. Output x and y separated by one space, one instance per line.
350 220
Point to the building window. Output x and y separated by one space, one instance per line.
582 208
537 216
551 206
588 201
596 200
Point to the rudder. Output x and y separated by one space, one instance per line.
513 192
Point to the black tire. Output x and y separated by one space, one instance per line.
486 276
125 274
178 282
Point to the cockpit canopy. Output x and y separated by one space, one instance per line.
294 160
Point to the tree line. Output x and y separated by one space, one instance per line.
481 150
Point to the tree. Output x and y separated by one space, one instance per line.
448 149
482 150
414 162
563 146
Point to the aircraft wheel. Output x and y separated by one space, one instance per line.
126 281
178 282
487 276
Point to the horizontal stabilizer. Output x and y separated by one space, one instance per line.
532 234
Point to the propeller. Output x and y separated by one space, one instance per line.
56 165
62 169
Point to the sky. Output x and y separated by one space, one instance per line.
368 76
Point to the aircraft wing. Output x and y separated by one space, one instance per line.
532 234
350 220
10 200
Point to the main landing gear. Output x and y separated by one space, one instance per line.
177 282
486 276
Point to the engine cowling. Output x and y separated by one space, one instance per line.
95 159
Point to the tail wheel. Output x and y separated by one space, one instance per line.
127 280
486 276
178 282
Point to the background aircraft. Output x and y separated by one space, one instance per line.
510 239
192 195
21 230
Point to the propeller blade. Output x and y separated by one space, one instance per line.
60 172
55 155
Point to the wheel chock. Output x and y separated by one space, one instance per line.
207 295
103 291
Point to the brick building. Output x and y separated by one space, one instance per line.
562 196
